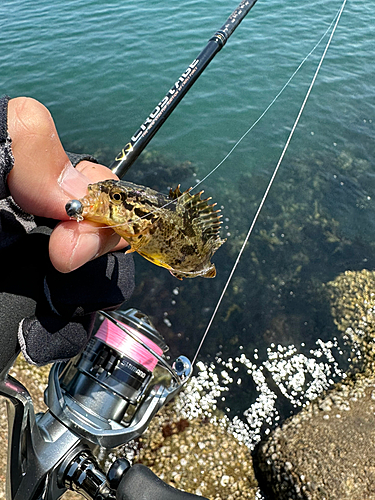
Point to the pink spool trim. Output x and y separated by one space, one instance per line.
118 339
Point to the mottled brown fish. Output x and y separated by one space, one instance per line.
179 232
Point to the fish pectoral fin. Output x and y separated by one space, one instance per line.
130 250
211 272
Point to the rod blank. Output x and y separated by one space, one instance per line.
157 117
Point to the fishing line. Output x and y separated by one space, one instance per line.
269 106
252 126
338 17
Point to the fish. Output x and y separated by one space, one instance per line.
179 232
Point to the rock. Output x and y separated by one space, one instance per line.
328 455
325 451
352 299
198 456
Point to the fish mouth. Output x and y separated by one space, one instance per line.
94 204
79 209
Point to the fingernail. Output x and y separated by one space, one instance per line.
86 248
72 182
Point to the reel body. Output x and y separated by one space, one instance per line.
111 391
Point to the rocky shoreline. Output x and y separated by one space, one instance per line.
324 452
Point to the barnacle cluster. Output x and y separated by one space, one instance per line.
352 299
198 456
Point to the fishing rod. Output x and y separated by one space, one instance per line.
155 120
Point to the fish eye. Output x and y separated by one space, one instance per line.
117 197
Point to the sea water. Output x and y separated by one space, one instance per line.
101 68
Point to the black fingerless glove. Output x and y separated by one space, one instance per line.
64 316
62 306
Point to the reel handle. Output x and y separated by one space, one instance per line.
122 482
140 483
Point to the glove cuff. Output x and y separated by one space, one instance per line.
76 158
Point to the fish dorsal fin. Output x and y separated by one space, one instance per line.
176 193
202 213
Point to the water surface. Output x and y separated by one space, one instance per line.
101 67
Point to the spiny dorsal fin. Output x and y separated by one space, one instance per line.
176 193
199 210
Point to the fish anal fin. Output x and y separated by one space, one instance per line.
208 273
176 275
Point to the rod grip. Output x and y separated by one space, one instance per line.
140 483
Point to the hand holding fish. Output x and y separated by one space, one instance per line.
47 313
43 180
180 233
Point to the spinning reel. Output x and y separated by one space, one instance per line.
111 392
105 397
